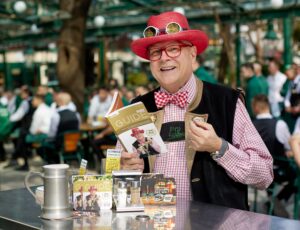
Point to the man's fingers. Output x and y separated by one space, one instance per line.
202 124
134 167
129 155
133 161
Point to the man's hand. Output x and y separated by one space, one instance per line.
202 137
131 161
99 136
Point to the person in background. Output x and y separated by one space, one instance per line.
11 101
5 129
276 80
253 85
99 105
263 81
295 142
201 72
55 105
65 118
141 90
40 124
275 133
213 161
129 95
291 93
292 98
41 118
46 93
22 117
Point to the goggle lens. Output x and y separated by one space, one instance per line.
171 28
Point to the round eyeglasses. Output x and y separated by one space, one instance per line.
172 51
171 28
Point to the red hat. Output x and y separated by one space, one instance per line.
92 188
136 131
197 37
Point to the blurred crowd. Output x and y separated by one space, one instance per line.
36 119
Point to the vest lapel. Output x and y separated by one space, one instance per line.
158 118
190 153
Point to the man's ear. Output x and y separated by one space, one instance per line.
194 52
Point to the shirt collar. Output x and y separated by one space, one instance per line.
190 87
61 108
264 116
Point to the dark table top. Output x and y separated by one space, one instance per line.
18 210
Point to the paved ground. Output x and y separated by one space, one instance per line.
12 179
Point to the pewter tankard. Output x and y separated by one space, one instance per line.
56 199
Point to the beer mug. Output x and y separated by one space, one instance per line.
56 197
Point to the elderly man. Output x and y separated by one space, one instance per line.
212 162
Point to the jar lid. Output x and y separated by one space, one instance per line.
142 217
135 184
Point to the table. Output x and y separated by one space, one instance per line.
86 127
18 210
88 131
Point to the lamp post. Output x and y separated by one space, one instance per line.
271 39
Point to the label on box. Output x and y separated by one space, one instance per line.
92 192
113 160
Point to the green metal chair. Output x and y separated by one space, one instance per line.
297 196
71 148
274 190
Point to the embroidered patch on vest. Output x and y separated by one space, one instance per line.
172 131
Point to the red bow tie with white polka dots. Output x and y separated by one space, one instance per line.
162 99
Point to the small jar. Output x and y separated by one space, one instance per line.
122 194
116 186
128 183
135 191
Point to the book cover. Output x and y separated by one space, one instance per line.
135 129
92 192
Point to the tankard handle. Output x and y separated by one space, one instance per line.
27 178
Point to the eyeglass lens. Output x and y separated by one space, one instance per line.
171 51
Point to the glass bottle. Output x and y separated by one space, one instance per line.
128 183
122 194
135 191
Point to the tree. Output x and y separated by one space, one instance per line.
71 50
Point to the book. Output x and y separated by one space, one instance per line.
134 128
92 192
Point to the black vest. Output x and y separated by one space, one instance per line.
68 121
26 120
214 186
267 130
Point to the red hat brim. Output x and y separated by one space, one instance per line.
197 37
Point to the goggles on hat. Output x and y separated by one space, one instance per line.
171 28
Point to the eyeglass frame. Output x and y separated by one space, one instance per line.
162 31
164 49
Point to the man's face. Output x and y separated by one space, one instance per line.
246 72
36 102
173 73
140 137
272 68
103 94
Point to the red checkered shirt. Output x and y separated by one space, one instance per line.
247 160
